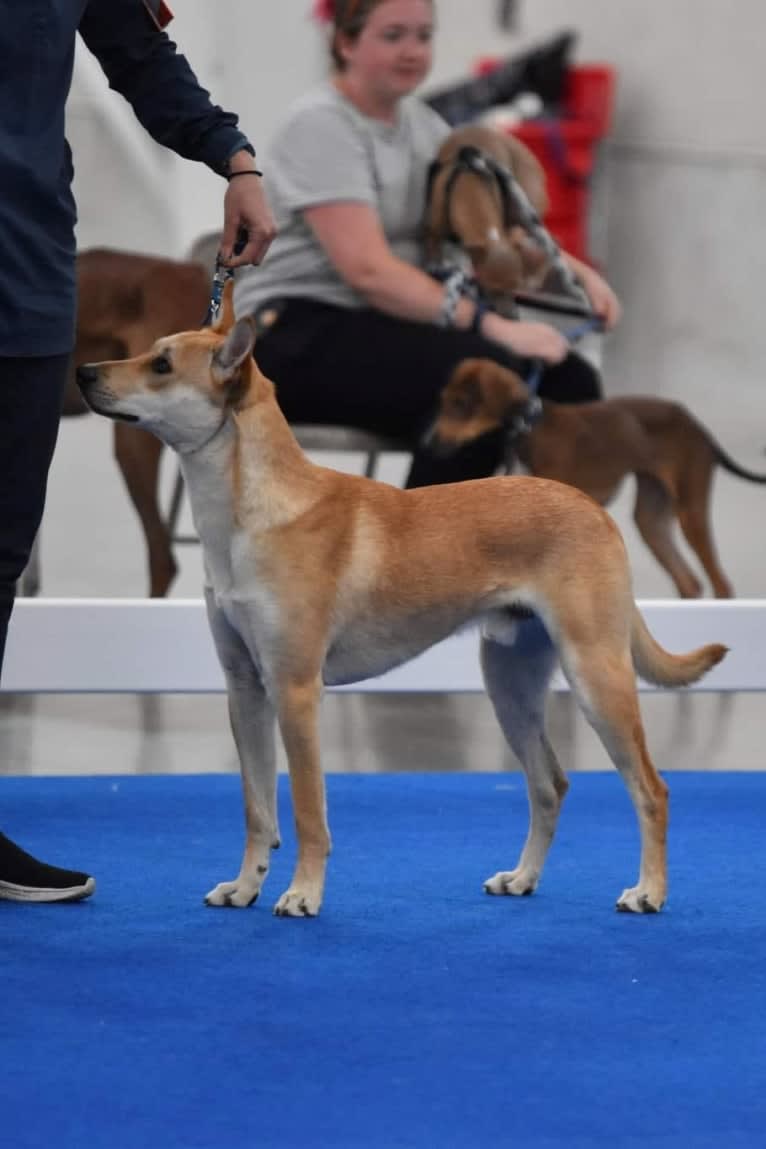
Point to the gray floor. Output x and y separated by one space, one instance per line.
92 547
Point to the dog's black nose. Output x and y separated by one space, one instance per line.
86 373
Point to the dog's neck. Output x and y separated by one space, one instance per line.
272 480
251 473
205 473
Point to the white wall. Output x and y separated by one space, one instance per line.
691 71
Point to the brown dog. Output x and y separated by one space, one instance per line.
594 446
468 205
316 577
124 303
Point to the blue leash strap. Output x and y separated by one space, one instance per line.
574 335
523 423
592 323
221 275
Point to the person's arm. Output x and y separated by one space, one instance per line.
144 66
603 300
353 238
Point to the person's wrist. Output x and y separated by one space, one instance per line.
493 326
241 162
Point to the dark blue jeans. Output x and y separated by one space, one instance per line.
31 393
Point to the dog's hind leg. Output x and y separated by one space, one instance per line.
253 726
653 514
600 672
694 518
517 672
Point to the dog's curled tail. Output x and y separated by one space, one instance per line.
655 664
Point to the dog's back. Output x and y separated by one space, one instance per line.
143 295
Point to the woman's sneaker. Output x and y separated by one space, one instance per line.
24 879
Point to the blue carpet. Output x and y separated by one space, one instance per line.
415 1011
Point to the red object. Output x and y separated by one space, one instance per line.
565 146
323 11
159 12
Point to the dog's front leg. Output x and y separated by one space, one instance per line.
298 711
253 725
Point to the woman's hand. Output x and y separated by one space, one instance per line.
603 300
530 340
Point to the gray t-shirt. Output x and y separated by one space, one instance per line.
328 152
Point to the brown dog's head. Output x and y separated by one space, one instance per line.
469 204
185 387
480 396
506 265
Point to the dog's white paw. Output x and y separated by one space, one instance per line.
238 894
297 903
516 882
638 901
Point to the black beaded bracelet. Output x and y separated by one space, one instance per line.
244 172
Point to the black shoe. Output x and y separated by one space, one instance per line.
24 879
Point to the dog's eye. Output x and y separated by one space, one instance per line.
161 365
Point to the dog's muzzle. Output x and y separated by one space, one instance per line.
89 382
432 441
87 375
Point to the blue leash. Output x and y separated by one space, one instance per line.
221 275
592 323
532 413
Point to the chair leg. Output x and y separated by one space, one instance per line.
372 464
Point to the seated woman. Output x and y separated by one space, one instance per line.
354 331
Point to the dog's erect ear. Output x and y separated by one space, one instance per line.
225 320
504 390
234 352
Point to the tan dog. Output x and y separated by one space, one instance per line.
467 205
595 446
124 303
316 577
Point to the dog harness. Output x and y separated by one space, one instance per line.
515 205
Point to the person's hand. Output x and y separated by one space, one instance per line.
530 340
603 300
246 210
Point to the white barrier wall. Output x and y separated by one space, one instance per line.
102 645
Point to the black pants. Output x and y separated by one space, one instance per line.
369 370
31 394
